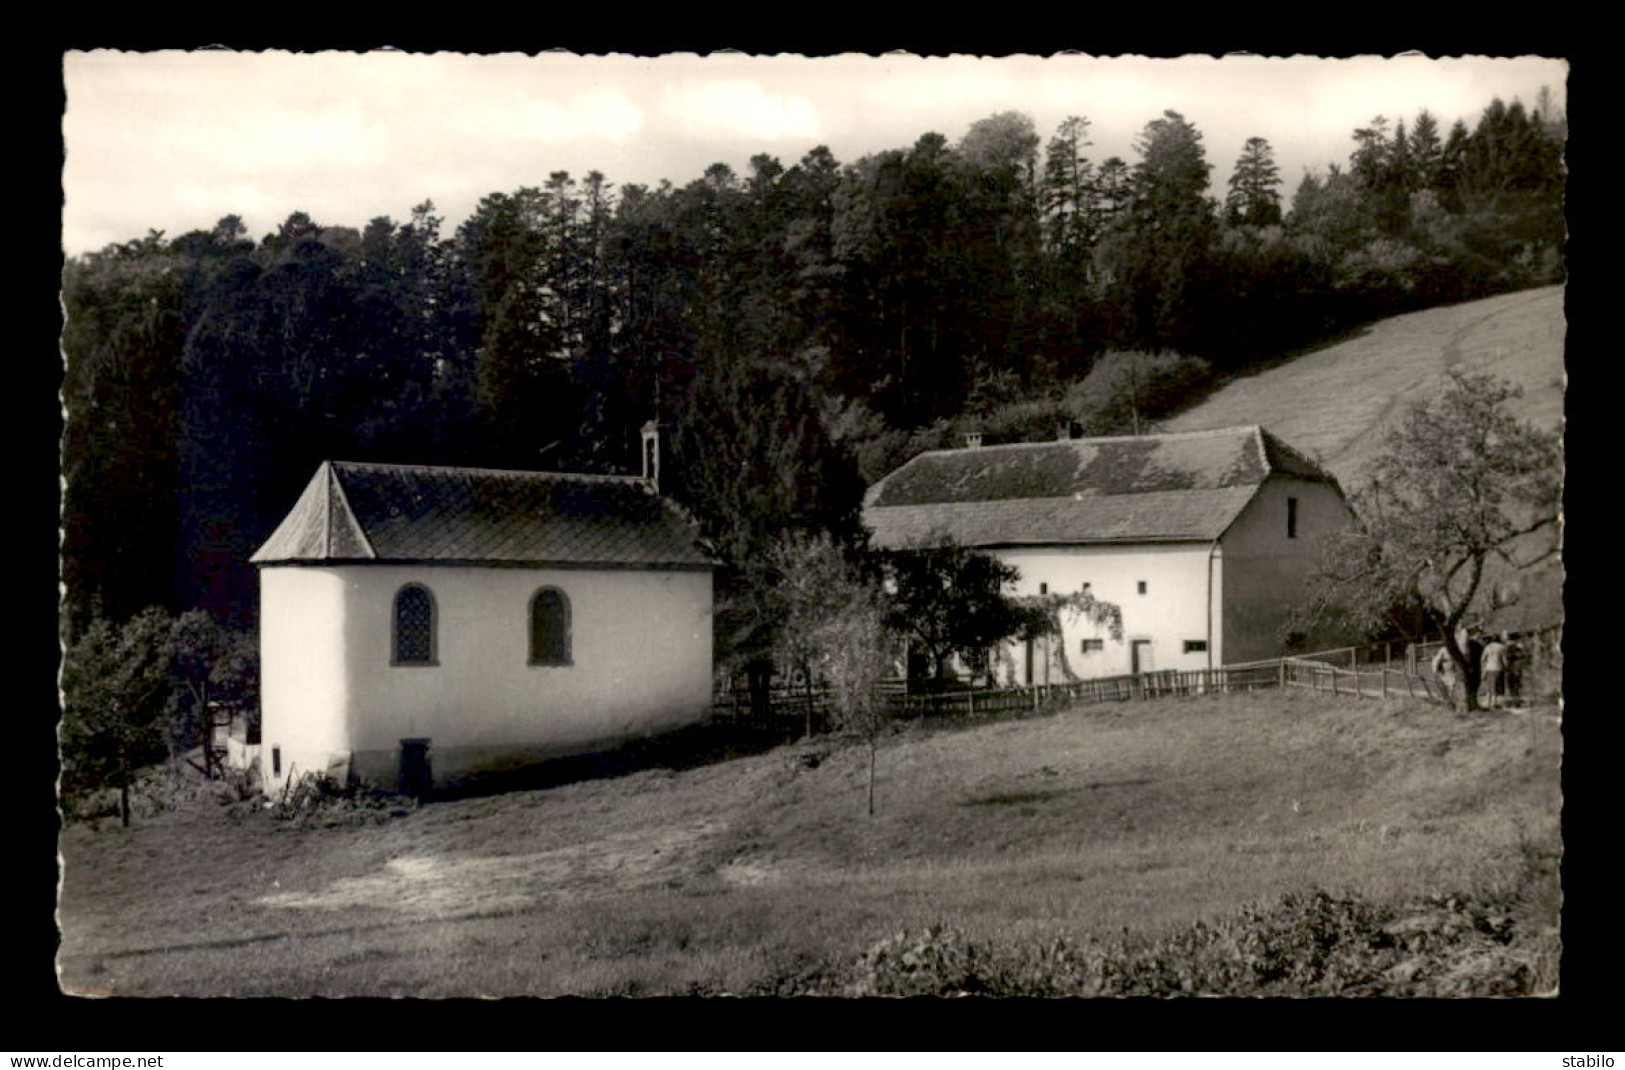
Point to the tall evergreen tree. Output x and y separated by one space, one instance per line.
1254 199
1155 262
1426 150
1068 193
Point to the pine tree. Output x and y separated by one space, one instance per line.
1068 194
1254 198
1156 259
1426 150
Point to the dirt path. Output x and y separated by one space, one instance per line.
450 885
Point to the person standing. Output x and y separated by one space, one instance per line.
1444 670
1512 673
1492 663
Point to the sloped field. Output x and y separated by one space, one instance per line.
1332 403
764 873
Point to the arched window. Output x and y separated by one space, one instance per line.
414 639
550 627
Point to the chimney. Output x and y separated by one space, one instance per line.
973 440
651 454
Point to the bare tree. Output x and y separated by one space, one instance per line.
835 631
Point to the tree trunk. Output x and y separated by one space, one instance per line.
807 732
124 805
871 777
758 675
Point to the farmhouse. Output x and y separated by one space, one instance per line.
1202 539
418 624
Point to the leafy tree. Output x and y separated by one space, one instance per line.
209 663
949 600
1461 490
115 701
1254 199
1125 391
1330 218
125 319
752 460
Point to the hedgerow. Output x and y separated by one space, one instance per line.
1313 944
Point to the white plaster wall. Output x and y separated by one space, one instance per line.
1265 570
1173 609
303 686
641 650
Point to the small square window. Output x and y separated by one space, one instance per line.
1093 646
1195 646
1142 586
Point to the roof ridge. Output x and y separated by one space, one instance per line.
336 485
1247 488
326 514
1208 432
604 477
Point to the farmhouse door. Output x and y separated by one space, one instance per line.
1140 656
1030 681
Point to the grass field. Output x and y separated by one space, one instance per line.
1332 402
763 874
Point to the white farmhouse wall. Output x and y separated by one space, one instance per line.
1173 609
303 677
641 663
1265 568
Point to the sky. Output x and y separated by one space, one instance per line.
173 141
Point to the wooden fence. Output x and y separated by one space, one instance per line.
1383 670
1374 681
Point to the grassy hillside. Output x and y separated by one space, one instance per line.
764 875
1332 402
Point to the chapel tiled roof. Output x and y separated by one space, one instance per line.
1146 488
380 512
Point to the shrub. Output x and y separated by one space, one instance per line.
1313 944
319 799
1128 389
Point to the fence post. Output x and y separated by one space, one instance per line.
1282 665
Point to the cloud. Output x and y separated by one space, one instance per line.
739 107
605 114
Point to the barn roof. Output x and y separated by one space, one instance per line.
384 512
1145 488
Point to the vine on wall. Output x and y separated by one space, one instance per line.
1044 614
